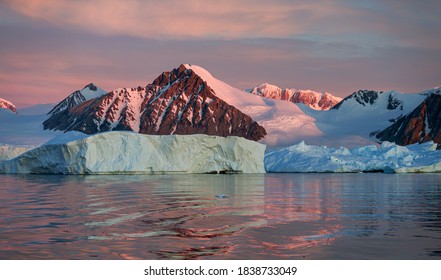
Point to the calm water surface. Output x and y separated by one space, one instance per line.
271 216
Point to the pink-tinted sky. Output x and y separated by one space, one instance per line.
49 48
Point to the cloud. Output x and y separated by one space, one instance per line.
170 18
406 22
45 65
50 48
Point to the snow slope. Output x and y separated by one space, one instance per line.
351 121
38 109
128 152
17 129
284 122
388 157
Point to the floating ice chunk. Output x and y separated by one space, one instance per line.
125 152
387 158
10 151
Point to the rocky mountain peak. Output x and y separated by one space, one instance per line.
363 97
91 87
5 104
176 102
77 97
267 90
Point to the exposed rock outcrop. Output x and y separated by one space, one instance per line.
362 97
313 99
421 125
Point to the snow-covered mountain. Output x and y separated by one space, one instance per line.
350 122
5 104
421 125
313 99
284 122
89 92
189 100
177 102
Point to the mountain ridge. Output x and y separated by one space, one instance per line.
312 99
176 102
189 99
90 91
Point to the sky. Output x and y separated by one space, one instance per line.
50 48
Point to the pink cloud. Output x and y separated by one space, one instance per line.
50 48
183 19
372 23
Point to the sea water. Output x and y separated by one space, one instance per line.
238 216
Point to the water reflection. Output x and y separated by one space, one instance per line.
324 216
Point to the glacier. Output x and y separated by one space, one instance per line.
387 158
132 153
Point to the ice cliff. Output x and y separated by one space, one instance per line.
126 152
11 151
388 158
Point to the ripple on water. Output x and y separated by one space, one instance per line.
271 216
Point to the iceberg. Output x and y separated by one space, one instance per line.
10 151
131 153
387 158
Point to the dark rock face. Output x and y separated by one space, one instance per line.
71 101
177 102
92 87
394 103
363 97
421 125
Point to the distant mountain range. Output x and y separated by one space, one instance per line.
313 99
189 100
